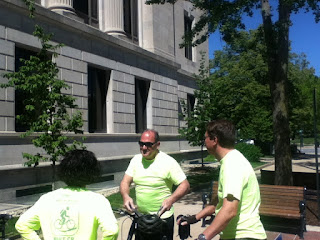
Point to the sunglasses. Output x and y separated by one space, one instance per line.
147 144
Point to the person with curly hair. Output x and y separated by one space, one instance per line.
72 212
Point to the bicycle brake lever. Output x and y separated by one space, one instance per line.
137 213
159 210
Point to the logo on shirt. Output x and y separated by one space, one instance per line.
65 222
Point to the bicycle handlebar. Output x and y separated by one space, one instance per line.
123 212
5 217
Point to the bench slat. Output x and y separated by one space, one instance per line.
278 201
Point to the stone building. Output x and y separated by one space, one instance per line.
123 62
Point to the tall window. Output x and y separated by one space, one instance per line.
130 9
190 104
21 95
187 29
87 10
98 81
141 97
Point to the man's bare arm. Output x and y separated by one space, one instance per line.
228 211
182 189
207 211
125 190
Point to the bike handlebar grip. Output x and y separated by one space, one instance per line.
5 217
184 230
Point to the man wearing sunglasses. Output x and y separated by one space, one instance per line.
154 174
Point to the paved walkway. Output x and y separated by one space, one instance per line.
190 204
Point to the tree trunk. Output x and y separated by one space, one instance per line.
277 42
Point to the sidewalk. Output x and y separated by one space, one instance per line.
190 204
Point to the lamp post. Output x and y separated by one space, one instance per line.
301 138
316 148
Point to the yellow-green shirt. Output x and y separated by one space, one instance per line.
237 178
73 214
154 180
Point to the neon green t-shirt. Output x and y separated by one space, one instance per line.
238 179
154 180
69 213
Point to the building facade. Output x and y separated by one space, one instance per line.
123 62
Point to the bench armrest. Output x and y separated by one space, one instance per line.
302 206
205 198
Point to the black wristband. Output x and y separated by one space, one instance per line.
192 219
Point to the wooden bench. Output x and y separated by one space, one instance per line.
277 203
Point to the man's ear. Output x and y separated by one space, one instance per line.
215 140
158 144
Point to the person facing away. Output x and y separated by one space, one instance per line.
237 209
72 212
154 174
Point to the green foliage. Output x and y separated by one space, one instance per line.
30 5
47 109
196 122
251 152
238 89
227 16
302 82
207 174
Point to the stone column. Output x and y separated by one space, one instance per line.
61 6
111 17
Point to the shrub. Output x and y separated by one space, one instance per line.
251 152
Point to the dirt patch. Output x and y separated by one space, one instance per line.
312 213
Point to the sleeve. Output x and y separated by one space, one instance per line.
176 173
233 178
107 220
130 169
28 223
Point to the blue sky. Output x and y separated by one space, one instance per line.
304 36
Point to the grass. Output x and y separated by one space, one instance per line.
306 141
257 164
209 158
116 199
10 229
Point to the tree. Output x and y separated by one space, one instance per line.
226 16
47 111
236 89
301 86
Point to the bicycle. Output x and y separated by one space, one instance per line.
144 226
183 232
65 225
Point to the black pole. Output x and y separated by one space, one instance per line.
316 148
202 155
